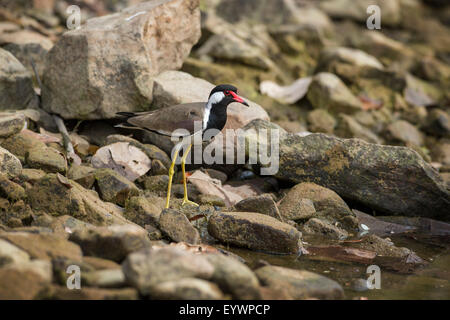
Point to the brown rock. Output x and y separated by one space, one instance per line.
177 226
254 231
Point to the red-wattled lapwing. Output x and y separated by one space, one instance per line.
211 115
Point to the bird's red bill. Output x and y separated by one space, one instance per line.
236 97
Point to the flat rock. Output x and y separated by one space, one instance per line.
132 45
177 226
394 180
299 284
20 144
147 268
10 189
112 242
254 231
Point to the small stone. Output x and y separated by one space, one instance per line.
84 175
9 253
106 278
261 204
11 124
156 183
320 120
177 226
186 289
299 284
254 231
146 268
9 164
44 246
20 144
47 159
113 187
320 227
142 211
234 277
11 190
113 242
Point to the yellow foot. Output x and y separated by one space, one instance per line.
187 201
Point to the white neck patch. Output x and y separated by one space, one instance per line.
215 98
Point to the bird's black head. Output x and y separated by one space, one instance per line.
225 94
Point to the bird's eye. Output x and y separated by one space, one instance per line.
227 93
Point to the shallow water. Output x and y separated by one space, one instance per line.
429 282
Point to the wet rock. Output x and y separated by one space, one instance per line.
142 211
348 127
113 242
16 87
407 185
50 195
299 284
254 231
234 277
261 204
43 246
9 164
113 187
327 91
320 120
380 227
20 144
107 278
10 189
347 9
323 228
149 267
47 159
9 253
11 124
26 45
341 253
177 226
186 289
83 175
93 93
402 131
25 280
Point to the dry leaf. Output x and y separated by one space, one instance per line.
288 94
123 158
64 181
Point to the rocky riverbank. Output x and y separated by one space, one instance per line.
364 150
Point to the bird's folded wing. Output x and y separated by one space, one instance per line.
165 121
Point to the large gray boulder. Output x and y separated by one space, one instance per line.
393 180
107 65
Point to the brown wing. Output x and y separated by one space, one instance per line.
165 121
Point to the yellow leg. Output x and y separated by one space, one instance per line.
183 161
171 172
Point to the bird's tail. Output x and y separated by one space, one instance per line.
125 114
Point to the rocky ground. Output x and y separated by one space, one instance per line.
364 173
